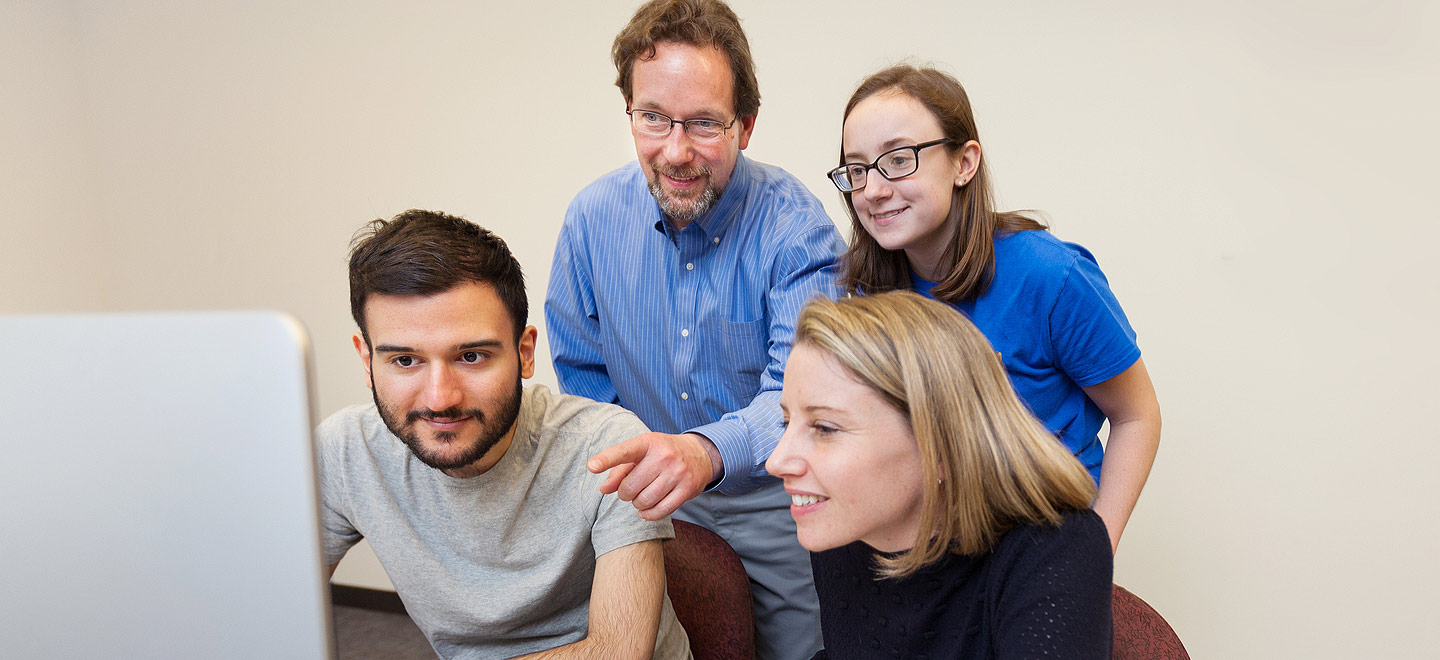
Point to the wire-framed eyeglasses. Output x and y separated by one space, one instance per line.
656 124
894 164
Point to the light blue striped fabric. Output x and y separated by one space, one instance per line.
690 330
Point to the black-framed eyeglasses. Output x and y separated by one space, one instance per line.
894 164
656 124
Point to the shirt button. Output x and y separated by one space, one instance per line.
685 332
690 266
717 240
684 396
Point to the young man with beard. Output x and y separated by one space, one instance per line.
675 287
470 488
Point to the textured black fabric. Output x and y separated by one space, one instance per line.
1043 592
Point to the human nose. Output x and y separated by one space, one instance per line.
785 461
678 146
877 188
442 389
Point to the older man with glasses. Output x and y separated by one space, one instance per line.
675 287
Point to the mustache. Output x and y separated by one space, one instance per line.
681 172
448 413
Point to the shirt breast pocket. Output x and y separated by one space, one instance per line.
745 352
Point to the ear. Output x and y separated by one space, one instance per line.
363 350
968 158
747 126
527 351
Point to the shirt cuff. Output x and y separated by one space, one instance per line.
731 438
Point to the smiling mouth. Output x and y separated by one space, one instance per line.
806 500
443 420
886 215
681 181
681 175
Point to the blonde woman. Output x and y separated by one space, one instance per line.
943 519
918 193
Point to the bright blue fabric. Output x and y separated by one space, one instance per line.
690 330
1050 313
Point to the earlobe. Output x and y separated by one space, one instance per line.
969 163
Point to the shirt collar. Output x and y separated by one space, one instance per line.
920 284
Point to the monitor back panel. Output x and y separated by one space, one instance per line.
157 489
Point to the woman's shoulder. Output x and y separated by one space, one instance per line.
1039 246
1079 534
1038 261
1051 594
1036 563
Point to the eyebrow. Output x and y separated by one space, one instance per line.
887 145
705 114
483 343
813 409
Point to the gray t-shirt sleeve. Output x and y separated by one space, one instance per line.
337 533
617 523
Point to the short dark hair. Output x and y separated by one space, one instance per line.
422 253
700 23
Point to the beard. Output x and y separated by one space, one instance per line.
679 208
492 429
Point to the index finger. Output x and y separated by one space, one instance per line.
629 451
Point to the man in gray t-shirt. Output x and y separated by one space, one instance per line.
472 490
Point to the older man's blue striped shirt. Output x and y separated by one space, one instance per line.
690 330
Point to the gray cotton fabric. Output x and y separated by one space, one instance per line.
500 564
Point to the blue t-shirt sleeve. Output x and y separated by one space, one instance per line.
1091 338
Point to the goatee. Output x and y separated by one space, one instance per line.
493 427
677 208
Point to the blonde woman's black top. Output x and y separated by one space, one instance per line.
1041 592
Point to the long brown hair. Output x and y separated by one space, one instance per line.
969 259
988 464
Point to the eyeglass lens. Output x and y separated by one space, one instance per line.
894 164
658 125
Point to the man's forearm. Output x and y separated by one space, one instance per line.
585 648
625 603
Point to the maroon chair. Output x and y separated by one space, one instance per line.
710 593
1140 632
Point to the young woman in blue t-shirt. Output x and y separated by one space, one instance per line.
923 217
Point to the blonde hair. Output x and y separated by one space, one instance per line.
989 465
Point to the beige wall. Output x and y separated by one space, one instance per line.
1249 176
52 243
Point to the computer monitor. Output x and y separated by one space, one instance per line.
157 489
